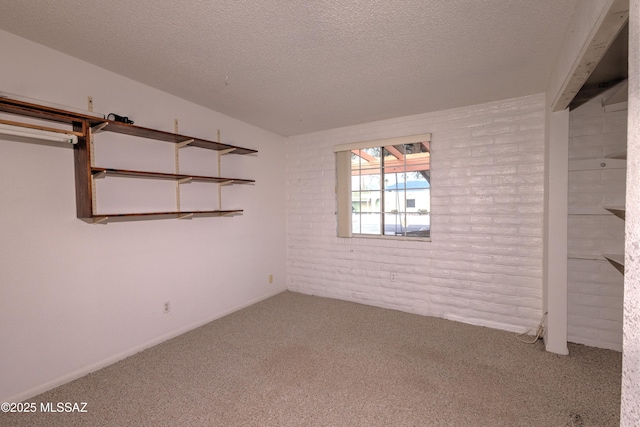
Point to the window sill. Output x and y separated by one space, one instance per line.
372 236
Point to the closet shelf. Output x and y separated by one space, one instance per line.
621 155
583 256
97 172
617 260
618 211
581 210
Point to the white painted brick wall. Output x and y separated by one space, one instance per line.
484 263
595 300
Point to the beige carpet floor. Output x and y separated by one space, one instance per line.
299 360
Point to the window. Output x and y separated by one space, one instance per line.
384 187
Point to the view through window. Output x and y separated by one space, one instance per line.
390 190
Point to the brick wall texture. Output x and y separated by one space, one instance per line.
483 264
596 289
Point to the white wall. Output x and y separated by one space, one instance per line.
556 183
484 263
75 297
630 415
595 287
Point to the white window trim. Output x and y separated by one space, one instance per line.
343 178
412 139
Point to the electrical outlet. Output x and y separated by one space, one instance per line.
90 103
394 277
271 278
167 307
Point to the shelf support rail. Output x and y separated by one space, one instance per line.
178 182
177 160
90 141
177 148
219 174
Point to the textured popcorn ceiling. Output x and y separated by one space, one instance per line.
295 66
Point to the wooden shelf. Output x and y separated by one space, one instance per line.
26 109
83 125
101 218
158 135
167 176
617 260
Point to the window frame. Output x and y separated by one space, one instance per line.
344 190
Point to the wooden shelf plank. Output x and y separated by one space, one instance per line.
167 176
36 111
38 127
617 260
102 218
142 132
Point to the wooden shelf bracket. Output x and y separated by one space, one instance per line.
99 127
184 143
100 220
100 174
